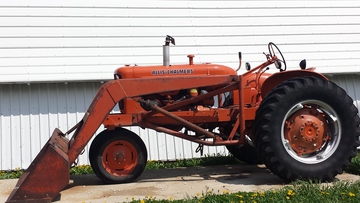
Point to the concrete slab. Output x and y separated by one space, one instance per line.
168 183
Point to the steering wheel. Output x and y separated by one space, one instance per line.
271 46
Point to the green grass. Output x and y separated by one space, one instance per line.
298 192
354 167
11 174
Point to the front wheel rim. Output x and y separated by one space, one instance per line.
120 158
310 142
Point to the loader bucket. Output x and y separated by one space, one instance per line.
47 175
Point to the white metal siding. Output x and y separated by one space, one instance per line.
82 40
351 83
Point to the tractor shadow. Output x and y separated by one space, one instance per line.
241 174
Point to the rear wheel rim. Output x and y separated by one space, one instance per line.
329 141
120 158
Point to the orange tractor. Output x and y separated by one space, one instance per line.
298 123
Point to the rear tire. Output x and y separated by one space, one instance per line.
307 128
118 156
242 152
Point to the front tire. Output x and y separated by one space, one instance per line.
307 128
118 156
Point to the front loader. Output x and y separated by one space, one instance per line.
298 123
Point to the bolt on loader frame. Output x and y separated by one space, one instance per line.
298 123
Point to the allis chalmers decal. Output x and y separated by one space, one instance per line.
172 71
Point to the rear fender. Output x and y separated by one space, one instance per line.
280 77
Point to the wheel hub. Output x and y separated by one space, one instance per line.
310 131
306 131
119 156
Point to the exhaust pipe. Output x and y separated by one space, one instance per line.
166 50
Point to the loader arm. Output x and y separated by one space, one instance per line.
48 174
114 91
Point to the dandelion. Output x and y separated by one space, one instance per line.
351 194
287 197
198 194
225 191
142 201
290 193
171 198
240 196
254 195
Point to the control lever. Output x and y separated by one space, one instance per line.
240 61
268 56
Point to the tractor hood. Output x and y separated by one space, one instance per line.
174 70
